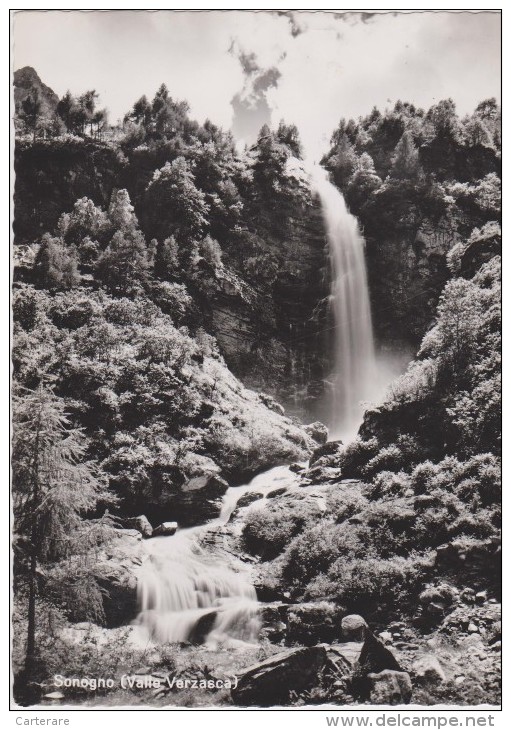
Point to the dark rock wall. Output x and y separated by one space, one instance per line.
278 338
51 177
406 275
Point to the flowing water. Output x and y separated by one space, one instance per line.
353 380
188 592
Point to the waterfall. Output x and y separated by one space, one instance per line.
354 377
187 592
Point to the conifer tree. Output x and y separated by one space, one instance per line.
54 487
123 266
31 109
56 265
405 160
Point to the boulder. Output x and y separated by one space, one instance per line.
271 613
481 597
115 571
165 529
437 600
317 431
273 681
374 658
354 628
273 621
199 500
269 593
322 475
349 651
390 687
202 628
296 468
427 669
386 637
276 492
140 523
248 498
467 595
329 448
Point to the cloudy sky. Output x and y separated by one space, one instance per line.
243 68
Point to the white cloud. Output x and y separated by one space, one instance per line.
329 67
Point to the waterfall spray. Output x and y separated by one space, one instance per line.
354 378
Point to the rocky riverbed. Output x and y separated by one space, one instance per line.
303 651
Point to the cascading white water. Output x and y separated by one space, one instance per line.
354 378
189 593
185 595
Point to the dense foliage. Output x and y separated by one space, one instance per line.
124 400
418 181
428 461
428 456
110 311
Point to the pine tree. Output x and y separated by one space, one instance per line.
123 266
288 134
53 488
121 212
31 109
343 161
141 112
363 182
177 207
56 265
66 109
166 259
87 103
405 160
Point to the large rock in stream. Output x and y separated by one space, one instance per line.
328 453
279 679
116 571
272 681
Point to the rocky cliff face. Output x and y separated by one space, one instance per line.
50 177
26 84
269 336
406 275
273 338
408 270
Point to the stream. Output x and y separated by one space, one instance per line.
188 591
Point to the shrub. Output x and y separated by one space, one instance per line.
388 458
71 312
363 585
174 300
269 529
314 551
24 307
423 476
387 484
441 593
392 526
356 455
345 501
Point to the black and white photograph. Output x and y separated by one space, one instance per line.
255 359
